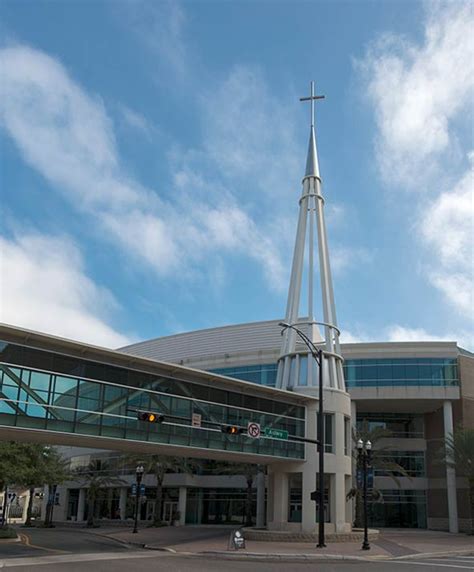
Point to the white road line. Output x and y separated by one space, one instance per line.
415 563
64 558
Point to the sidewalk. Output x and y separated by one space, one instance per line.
213 541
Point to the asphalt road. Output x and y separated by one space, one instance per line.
42 541
162 561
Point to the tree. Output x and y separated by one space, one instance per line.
458 453
45 466
380 461
96 476
159 465
249 471
12 469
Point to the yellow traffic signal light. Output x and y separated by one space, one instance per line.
150 417
232 429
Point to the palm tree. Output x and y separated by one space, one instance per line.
249 470
380 461
97 475
458 452
159 465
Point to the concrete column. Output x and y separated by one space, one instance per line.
280 500
123 502
26 501
308 517
44 503
450 472
260 498
182 505
353 415
81 504
339 509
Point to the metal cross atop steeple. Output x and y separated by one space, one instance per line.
312 98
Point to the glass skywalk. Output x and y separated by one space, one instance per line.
50 391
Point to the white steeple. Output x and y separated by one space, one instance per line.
295 367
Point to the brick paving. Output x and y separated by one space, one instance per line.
201 539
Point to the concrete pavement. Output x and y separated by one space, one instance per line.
213 541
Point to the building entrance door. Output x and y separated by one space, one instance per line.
169 510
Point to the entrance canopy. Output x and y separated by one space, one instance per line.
57 391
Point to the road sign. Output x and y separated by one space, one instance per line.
196 420
253 430
142 489
134 489
275 433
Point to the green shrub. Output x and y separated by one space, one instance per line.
7 532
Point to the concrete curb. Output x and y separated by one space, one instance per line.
463 552
216 555
265 557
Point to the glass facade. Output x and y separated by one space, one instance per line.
400 425
396 372
399 509
54 392
363 372
265 374
218 506
412 461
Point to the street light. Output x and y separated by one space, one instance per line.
364 458
317 354
139 474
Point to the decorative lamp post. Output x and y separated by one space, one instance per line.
364 457
317 354
139 474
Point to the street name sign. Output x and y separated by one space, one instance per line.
276 433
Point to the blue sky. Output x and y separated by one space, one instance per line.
152 155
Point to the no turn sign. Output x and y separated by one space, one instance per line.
253 430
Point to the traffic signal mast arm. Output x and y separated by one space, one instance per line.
230 429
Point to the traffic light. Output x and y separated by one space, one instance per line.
150 417
233 429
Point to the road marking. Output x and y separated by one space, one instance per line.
26 540
66 558
415 563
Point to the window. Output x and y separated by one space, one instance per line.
347 436
295 486
328 431
400 372
400 425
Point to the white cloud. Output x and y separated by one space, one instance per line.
343 258
67 136
160 26
397 333
45 288
423 97
447 226
136 120
419 90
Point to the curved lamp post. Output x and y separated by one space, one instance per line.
317 354
364 455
